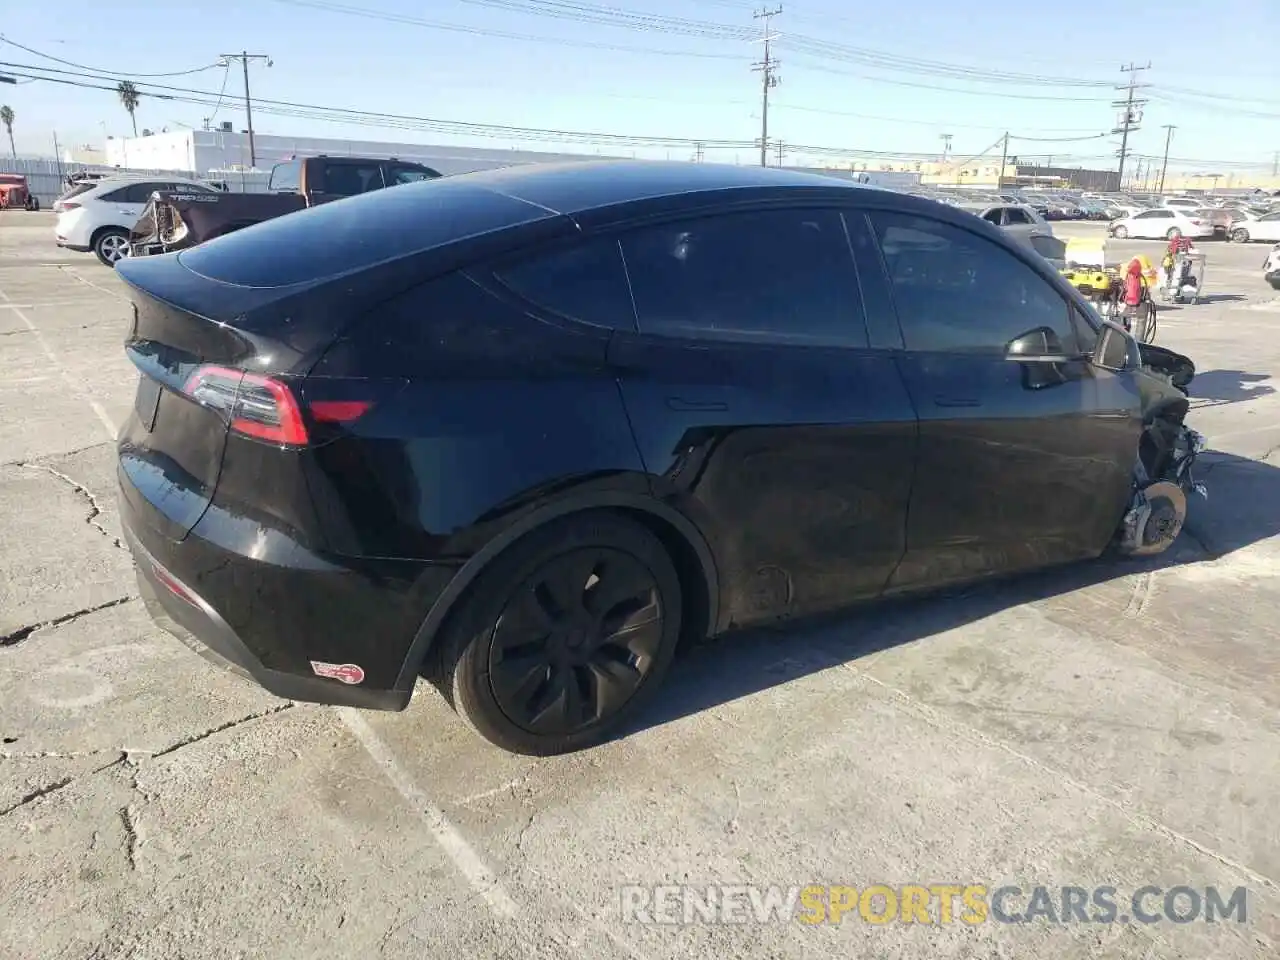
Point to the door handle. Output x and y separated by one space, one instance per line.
957 401
690 406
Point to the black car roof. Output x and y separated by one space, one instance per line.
575 187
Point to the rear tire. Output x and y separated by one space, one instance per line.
111 245
1120 233
1240 236
541 664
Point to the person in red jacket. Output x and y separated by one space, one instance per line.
1133 290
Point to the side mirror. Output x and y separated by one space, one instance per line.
1041 345
1116 349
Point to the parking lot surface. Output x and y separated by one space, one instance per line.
1111 724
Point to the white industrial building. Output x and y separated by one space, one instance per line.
220 151
201 151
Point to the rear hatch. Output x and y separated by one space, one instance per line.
191 340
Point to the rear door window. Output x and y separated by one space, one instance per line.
780 275
350 179
585 281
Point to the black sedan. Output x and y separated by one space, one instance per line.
522 431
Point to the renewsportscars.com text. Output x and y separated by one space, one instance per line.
936 903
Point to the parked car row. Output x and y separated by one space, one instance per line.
115 217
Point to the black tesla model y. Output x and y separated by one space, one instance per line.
522 431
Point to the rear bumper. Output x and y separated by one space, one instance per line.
77 247
251 598
181 612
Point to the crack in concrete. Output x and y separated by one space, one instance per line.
15 637
57 785
36 794
131 841
205 734
95 510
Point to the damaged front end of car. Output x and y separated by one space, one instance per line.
1167 451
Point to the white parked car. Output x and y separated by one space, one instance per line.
1271 268
1265 227
1182 203
1163 224
96 217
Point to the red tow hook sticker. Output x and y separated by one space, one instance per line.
344 672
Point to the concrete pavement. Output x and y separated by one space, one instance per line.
1113 724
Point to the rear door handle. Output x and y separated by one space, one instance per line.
957 401
690 406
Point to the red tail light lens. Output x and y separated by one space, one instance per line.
338 411
257 406
61 206
266 408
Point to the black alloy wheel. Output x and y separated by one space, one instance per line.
564 636
576 641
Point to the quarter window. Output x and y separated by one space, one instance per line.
781 275
141 192
957 292
584 282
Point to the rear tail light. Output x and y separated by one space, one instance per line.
264 407
62 206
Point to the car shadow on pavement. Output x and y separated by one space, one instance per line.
1229 386
1243 509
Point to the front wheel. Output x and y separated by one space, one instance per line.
564 636
1120 233
1240 236
111 246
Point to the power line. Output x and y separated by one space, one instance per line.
284 108
81 66
702 30
406 20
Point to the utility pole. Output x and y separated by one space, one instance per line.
1004 158
57 156
1164 168
698 153
1275 165
946 146
244 57
1132 116
767 68
780 153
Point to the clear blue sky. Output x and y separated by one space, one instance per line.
1213 71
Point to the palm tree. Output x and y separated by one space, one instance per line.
6 117
129 97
